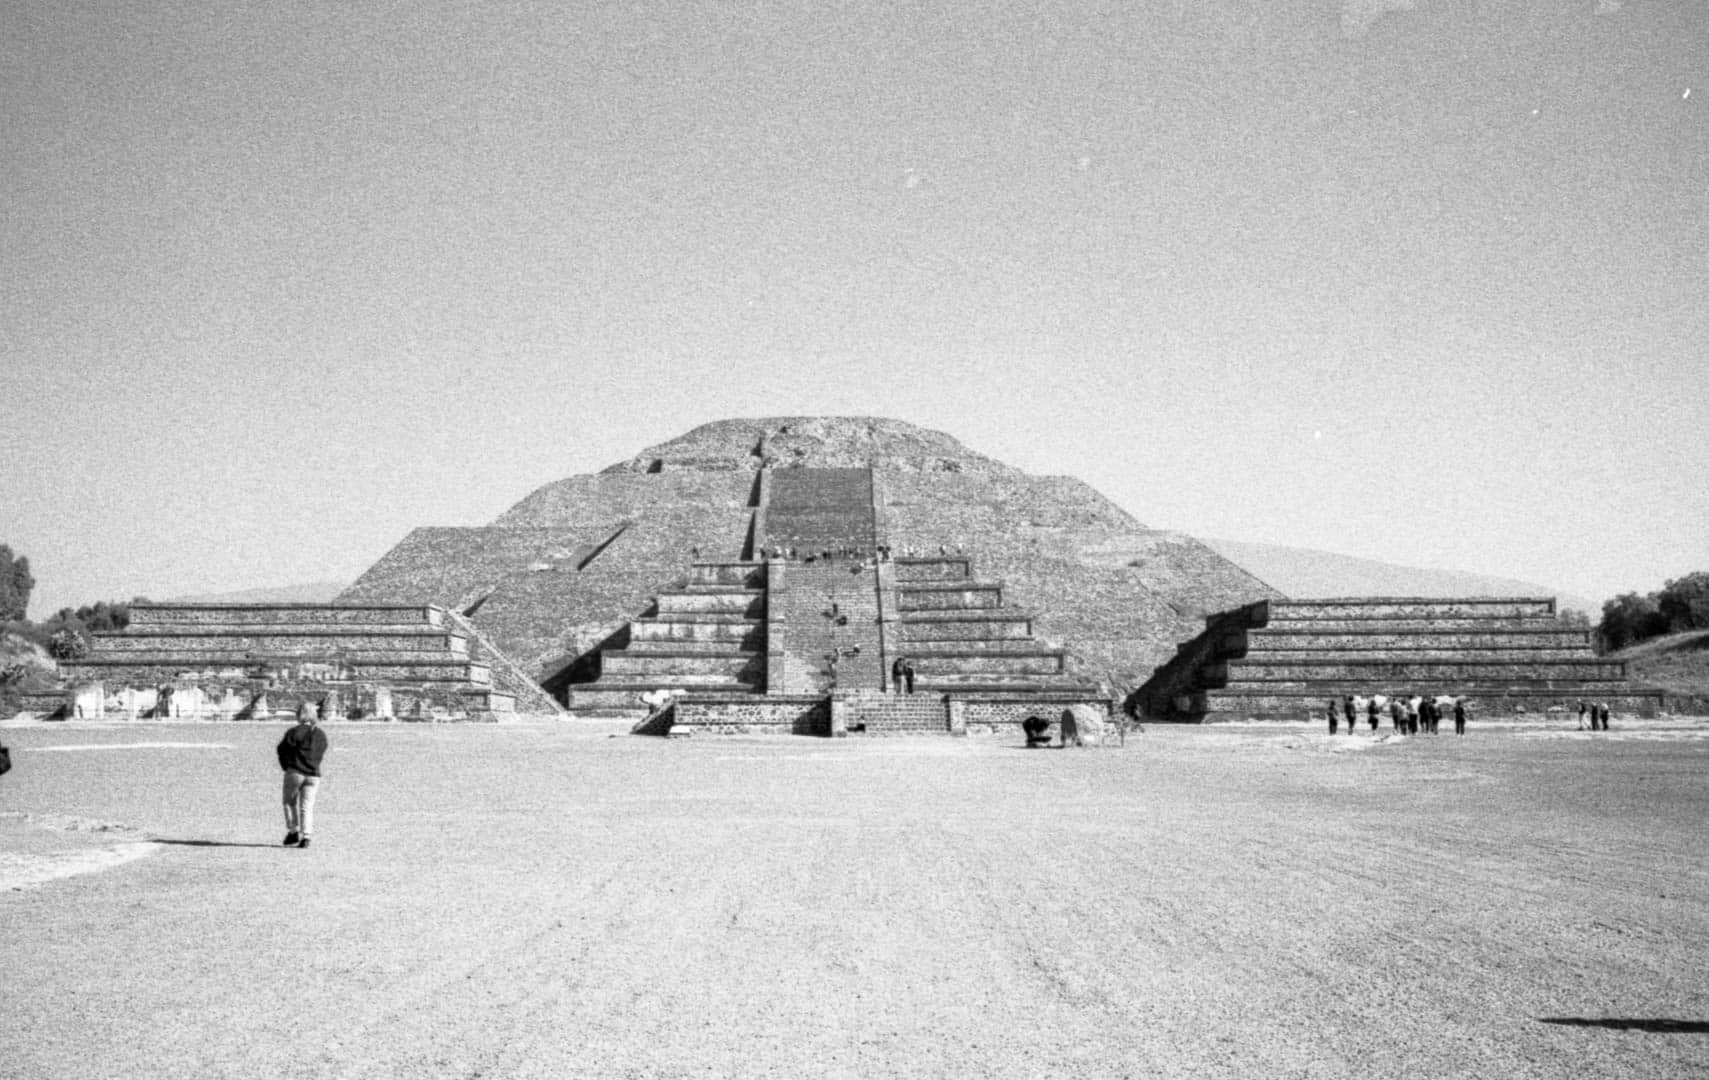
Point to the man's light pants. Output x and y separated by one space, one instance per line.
300 802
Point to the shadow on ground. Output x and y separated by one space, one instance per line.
1666 1026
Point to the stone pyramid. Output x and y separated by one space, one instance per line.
559 576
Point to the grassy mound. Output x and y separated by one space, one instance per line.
1676 663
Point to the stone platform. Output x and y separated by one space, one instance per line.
244 661
1286 659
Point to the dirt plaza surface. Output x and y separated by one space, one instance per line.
547 901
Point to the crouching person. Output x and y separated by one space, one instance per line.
300 753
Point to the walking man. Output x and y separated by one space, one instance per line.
300 753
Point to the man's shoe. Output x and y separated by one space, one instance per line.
291 839
304 842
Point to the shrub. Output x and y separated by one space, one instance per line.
68 643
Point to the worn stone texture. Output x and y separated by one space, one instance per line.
571 564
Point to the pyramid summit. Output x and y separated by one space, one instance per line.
560 579
813 442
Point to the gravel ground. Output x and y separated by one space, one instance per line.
543 901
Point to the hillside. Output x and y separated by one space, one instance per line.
1305 574
1677 663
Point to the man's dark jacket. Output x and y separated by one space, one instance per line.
301 749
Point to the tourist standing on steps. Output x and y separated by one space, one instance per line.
896 670
300 753
908 675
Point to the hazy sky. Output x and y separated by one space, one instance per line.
281 281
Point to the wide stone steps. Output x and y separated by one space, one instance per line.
1017 686
691 647
746 575
1003 646
950 596
1278 654
1456 670
1414 655
723 632
672 667
1493 624
964 626
748 603
942 568
975 663
634 682
1271 640
143 616
428 640
1427 608
151 668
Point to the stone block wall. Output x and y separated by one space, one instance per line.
879 713
1286 658
781 714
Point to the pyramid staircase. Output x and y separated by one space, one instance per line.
961 637
773 637
706 635
419 659
1285 659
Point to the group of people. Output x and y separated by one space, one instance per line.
1595 712
1409 715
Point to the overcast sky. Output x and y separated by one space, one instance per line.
280 281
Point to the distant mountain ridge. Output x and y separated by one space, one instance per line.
314 592
1304 573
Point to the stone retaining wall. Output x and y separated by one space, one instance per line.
786 715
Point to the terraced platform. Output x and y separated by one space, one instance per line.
1287 659
363 660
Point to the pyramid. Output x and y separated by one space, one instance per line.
577 577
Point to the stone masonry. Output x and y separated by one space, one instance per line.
1286 659
237 660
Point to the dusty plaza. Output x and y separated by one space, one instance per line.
550 900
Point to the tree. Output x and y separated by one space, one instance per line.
1630 618
15 584
68 643
104 616
1684 602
